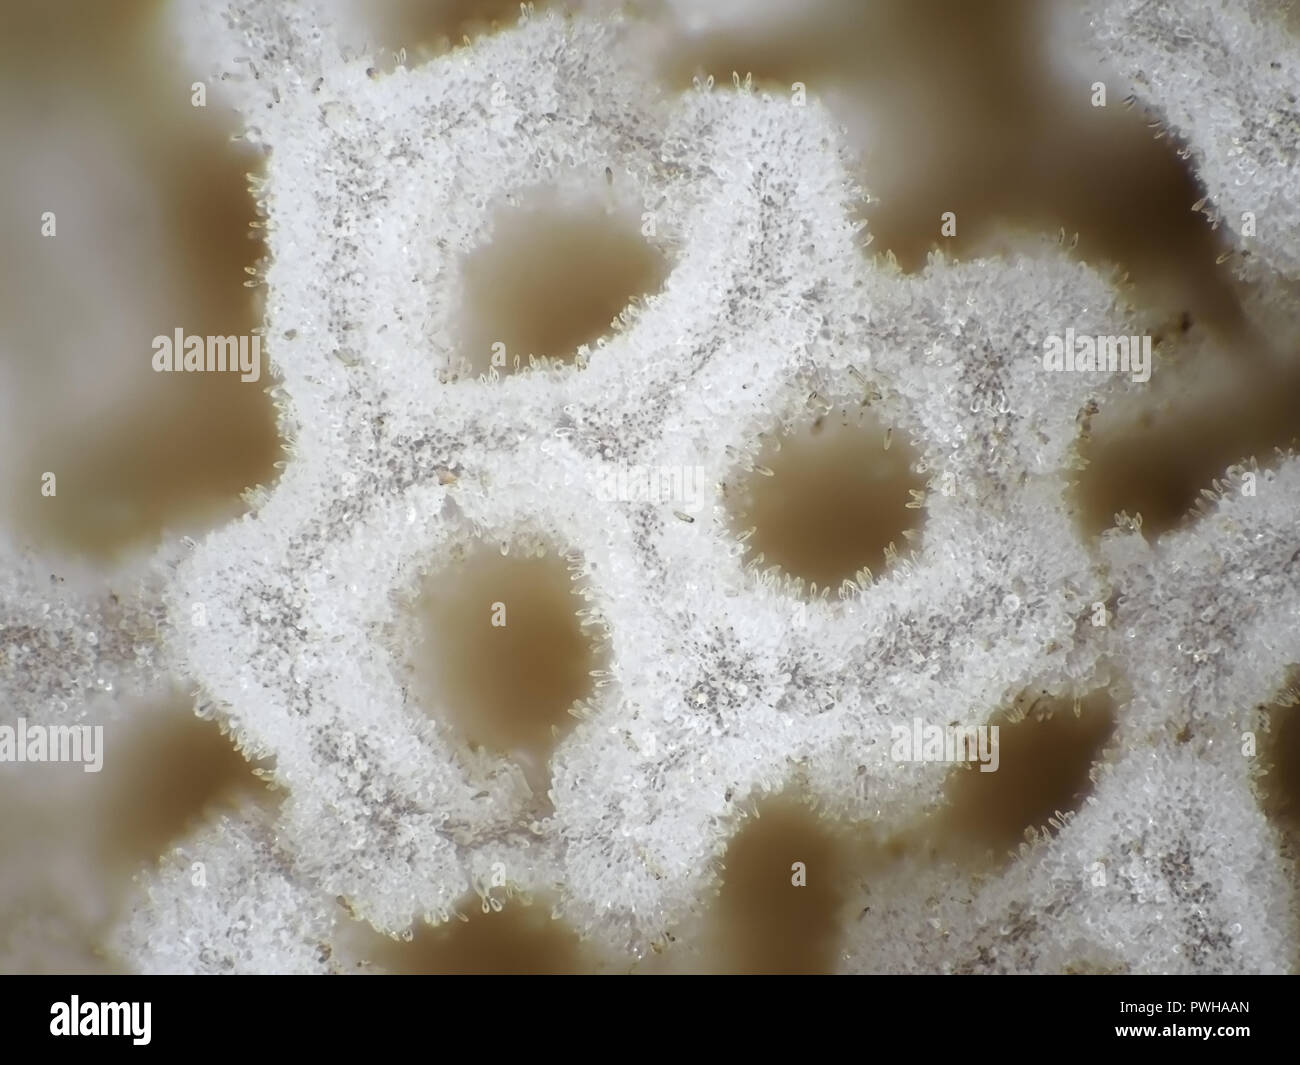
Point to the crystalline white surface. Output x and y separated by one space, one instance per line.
227 902
1169 866
1225 77
722 684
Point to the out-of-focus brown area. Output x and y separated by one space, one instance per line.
1280 783
169 769
1044 761
1155 461
784 876
429 28
152 211
519 940
72 842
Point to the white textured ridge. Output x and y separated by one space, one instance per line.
1225 76
376 185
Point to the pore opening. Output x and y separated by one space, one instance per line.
830 498
784 874
553 277
1155 461
169 770
1044 760
505 655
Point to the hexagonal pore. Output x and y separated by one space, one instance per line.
553 277
837 499
517 940
1043 765
783 880
504 654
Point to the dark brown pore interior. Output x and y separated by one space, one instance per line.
505 655
519 939
169 769
1280 751
552 278
428 28
1044 763
764 920
835 500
